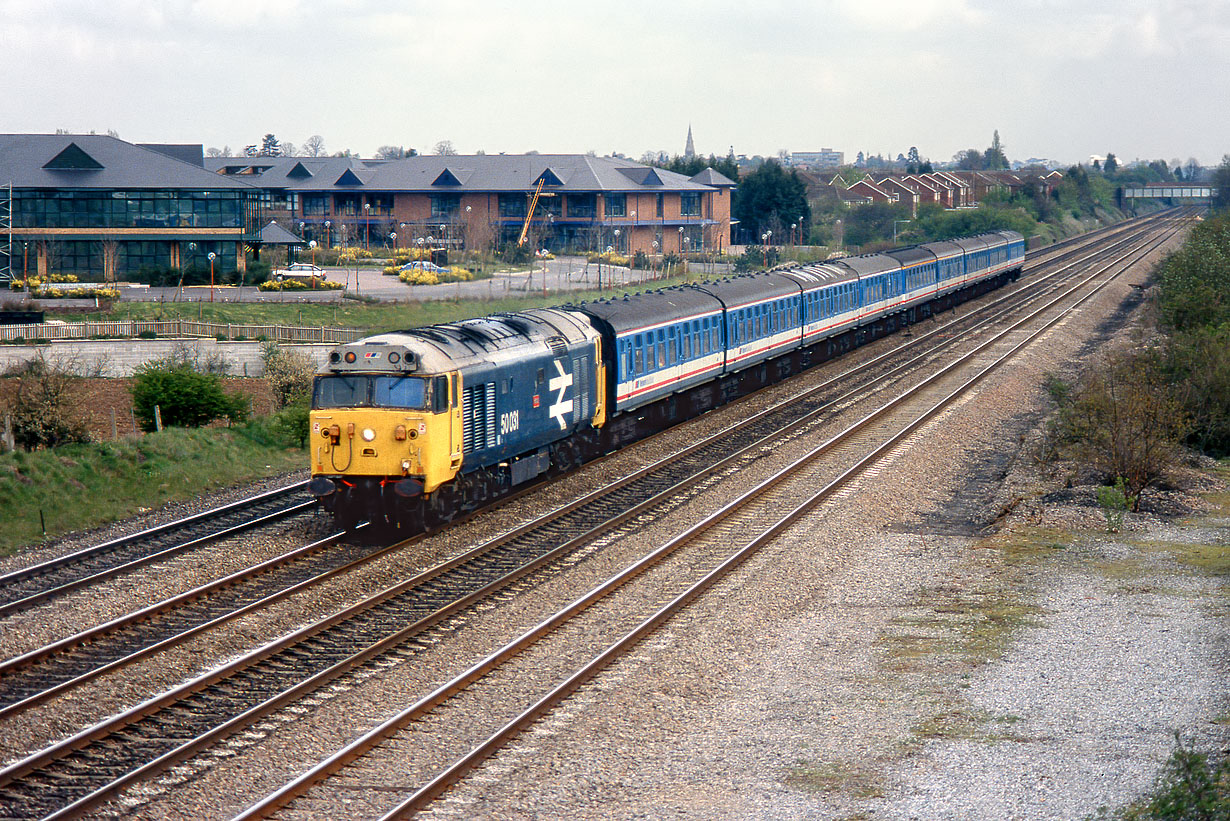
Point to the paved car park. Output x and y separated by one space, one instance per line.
552 276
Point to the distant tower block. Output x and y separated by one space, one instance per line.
690 151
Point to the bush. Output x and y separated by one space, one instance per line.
45 408
184 396
287 428
1124 420
1191 787
289 374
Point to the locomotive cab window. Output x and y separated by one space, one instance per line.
363 391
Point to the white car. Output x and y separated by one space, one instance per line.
300 270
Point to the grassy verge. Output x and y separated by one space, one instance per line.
374 316
82 486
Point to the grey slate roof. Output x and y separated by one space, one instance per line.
124 165
470 172
714 178
274 234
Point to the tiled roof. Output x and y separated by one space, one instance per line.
98 161
468 172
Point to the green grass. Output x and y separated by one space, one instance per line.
82 486
353 313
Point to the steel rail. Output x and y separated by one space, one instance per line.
373 737
183 752
15 578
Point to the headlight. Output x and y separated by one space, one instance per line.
368 434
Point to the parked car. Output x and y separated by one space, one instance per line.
300 270
423 265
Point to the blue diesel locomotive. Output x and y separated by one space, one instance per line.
411 428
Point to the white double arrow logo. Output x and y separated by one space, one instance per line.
561 405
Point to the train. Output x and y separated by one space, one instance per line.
411 428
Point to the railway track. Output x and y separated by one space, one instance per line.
35 677
400 766
172 727
29 586
39 675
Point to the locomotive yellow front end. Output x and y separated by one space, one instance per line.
384 433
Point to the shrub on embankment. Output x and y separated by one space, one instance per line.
1194 311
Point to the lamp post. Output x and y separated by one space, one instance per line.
401 226
328 236
302 225
764 247
367 229
212 257
312 248
895 224
617 247
393 240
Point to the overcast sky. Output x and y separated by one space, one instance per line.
1059 79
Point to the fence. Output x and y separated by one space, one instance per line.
175 328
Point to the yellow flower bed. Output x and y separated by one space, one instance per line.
299 285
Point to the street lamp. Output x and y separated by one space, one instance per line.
212 257
393 240
681 239
312 248
895 224
367 228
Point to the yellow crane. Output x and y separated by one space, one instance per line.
529 215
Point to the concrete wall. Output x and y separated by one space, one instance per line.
121 357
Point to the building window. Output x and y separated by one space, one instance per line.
689 204
315 205
512 205
617 205
661 198
445 205
346 205
582 206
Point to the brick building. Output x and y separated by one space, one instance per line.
455 201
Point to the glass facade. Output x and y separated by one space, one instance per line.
89 208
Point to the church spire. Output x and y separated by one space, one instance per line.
690 150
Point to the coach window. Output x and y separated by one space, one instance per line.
670 356
639 361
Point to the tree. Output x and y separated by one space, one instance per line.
270 146
970 159
1221 184
860 160
768 197
1125 420
912 157
444 148
289 149
994 159
394 152
46 409
289 374
184 396
314 146
1111 165
873 221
